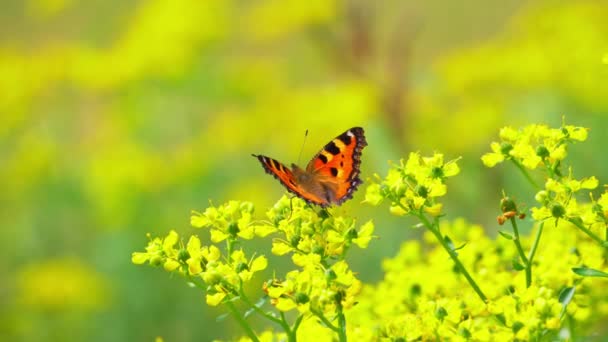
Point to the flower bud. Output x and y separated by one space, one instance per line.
352 234
241 266
183 255
233 229
295 240
422 191
541 196
301 298
558 210
440 313
330 275
212 277
542 151
156 260
437 172
505 148
507 204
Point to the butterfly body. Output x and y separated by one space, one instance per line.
332 175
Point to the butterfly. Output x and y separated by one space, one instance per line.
330 177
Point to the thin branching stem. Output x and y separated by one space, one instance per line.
520 250
586 230
239 318
434 228
526 174
539 232
325 321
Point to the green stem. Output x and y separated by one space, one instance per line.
588 232
325 321
526 174
296 325
522 255
291 334
434 228
239 318
536 241
261 312
341 324
229 246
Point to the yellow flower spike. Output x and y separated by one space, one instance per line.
215 299
170 265
577 133
238 256
418 202
509 134
198 220
372 194
344 275
413 164
397 210
437 188
194 250
139 258
211 253
245 229
170 240
218 236
559 153
258 264
434 210
494 157
194 246
194 266
434 161
526 154
264 230
306 260
364 235
280 248
589 183
451 168
285 304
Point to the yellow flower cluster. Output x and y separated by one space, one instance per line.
533 145
414 185
223 276
423 295
422 298
323 286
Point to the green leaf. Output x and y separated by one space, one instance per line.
506 235
566 295
589 272
248 313
517 265
501 318
221 317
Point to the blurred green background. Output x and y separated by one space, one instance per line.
119 117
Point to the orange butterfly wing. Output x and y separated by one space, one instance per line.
339 161
286 177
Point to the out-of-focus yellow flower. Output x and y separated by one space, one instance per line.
63 285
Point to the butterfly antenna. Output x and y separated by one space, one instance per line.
302 148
